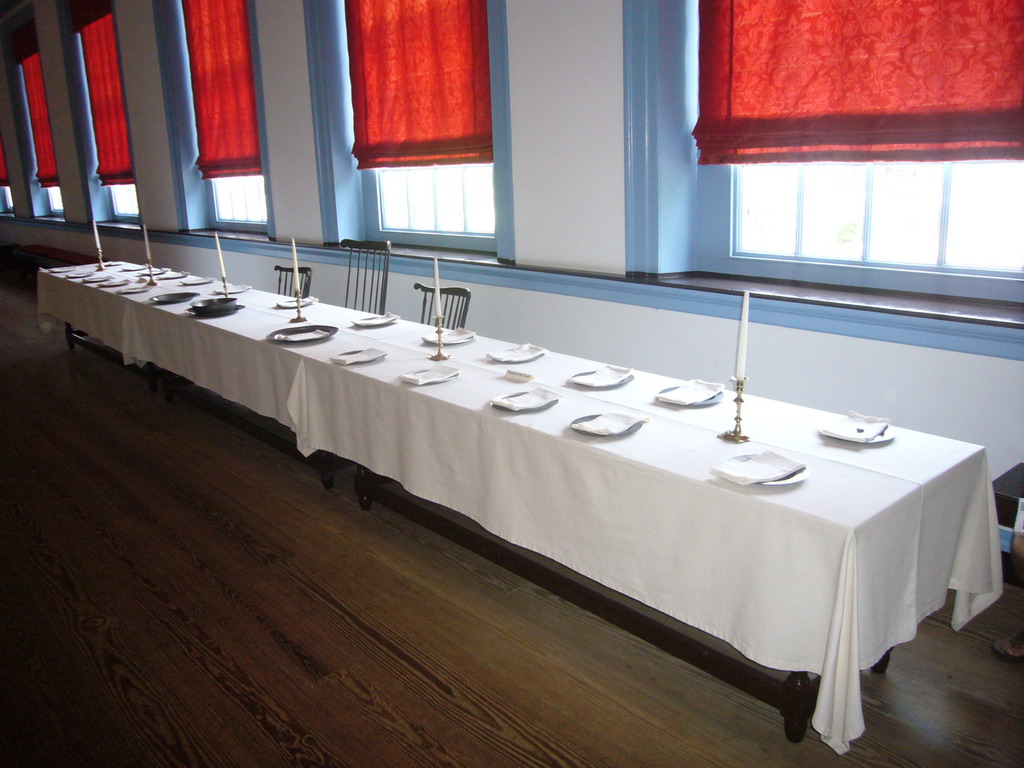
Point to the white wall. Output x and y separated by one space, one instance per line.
566 93
291 154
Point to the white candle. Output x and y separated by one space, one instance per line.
295 270
741 344
145 239
96 234
220 258
437 291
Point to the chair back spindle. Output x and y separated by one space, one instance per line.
366 281
454 305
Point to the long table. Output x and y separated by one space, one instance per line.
822 576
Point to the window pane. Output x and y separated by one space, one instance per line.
56 199
986 203
833 216
479 185
124 199
906 214
768 208
240 198
394 199
451 214
445 199
421 198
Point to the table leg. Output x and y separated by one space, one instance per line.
798 705
366 482
69 335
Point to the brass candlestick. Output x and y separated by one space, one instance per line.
439 355
224 279
152 280
100 266
298 307
735 435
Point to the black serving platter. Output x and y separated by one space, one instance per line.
173 298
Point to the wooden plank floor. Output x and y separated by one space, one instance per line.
175 593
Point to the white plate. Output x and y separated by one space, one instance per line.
532 400
715 398
357 356
524 353
115 283
192 280
135 289
629 424
458 336
376 321
606 378
797 477
100 278
885 437
445 374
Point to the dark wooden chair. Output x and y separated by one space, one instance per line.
454 304
285 278
366 279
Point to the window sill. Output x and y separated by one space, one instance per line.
1006 314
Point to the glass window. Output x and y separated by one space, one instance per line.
240 200
446 199
56 200
124 200
959 215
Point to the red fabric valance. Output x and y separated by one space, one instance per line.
860 80
224 94
106 99
421 89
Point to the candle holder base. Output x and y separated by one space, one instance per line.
735 435
439 355
298 318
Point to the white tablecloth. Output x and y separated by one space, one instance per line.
823 576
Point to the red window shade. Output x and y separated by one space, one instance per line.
421 88
106 98
220 59
26 50
860 80
5 180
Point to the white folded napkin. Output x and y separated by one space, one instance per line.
115 283
756 468
453 336
606 377
133 268
290 303
172 275
535 398
310 335
690 392
102 277
232 288
359 356
857 428
374 320
193 280
134 289
517 354
430 375
610 423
